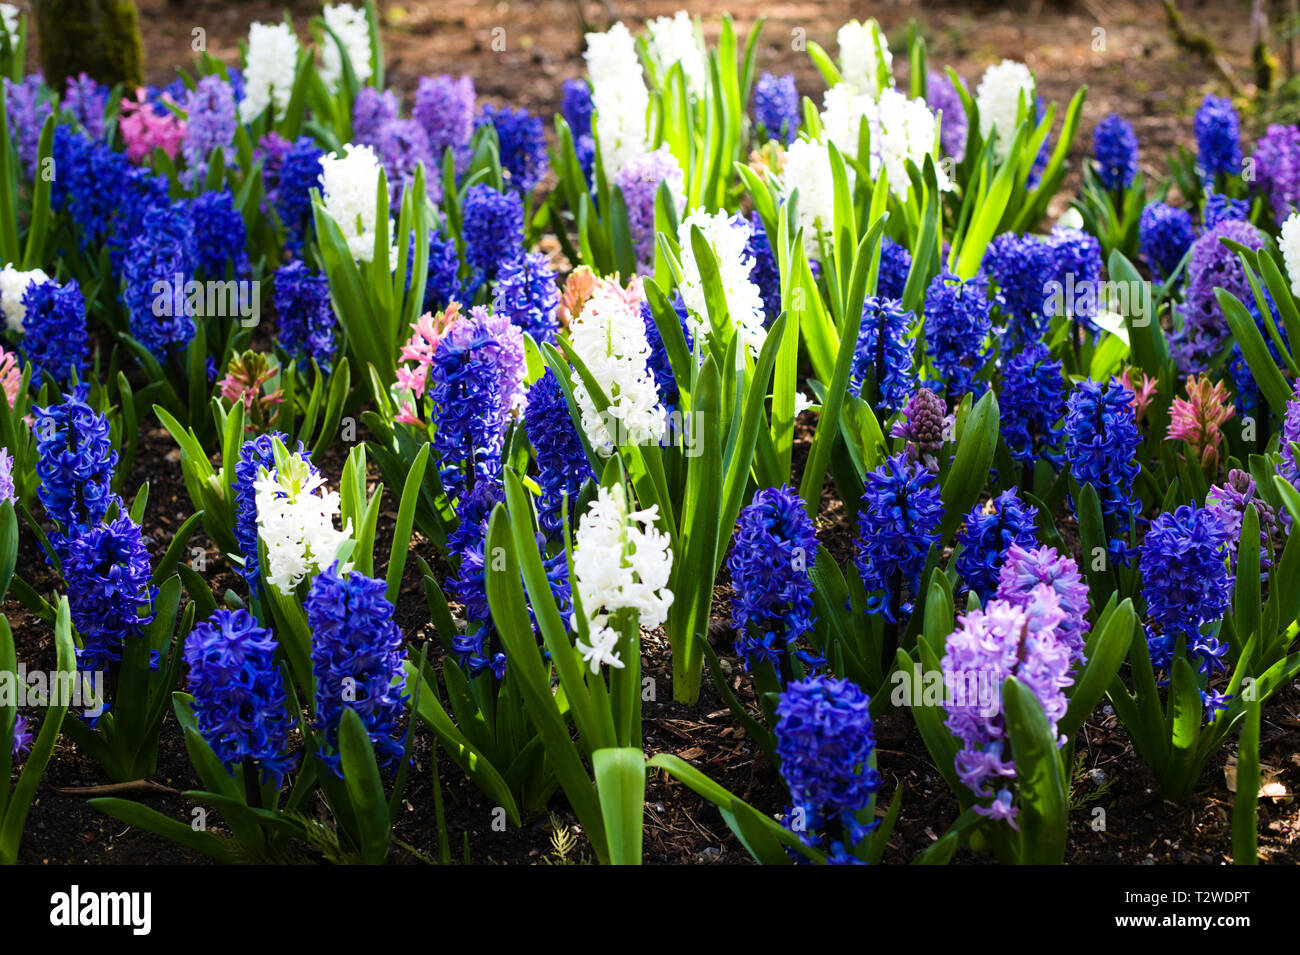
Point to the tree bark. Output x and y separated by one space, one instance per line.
98 37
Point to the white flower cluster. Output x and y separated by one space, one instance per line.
861 46
9 14
843 109
620 561
609 336
269 70
903 129
619 96
900 128
13 285
672 40
297 523
1289 243
807 168
349 189
998 97
352 28
727 237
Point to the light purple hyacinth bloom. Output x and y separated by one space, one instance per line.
371 112
402 146
505 349
1025 569
23 736
27 109
989 645
639 182
444 106
7 492
1277 169
86 100
1288 468
941 95
210 125
1227 502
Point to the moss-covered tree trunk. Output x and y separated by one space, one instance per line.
99 37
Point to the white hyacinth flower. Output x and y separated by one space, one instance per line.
671 41
13 286
269 70
1289 243
297 523
619 97
862 47
609 336
352 28
727 236
900 129
601 650
807 169
903 129
9 14
349 185
998 97
843 109
621 561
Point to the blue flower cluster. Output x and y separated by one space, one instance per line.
307 322
220 238
522 139
299 175
109 591
467 401
493 228
1020 267
895 264
1101 441
1186 583
239 700
55 338
987 536
577 110
164 252
1115 149
74 462
898 523
475 649
1032 402
527 293
357 661
1218 137
1165 233
883 355
957 328
104 193
764 272
442 283
1078 271
658 364
771 608
562 465
1219 208
776 106
825 740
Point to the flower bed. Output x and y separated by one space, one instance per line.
384 478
